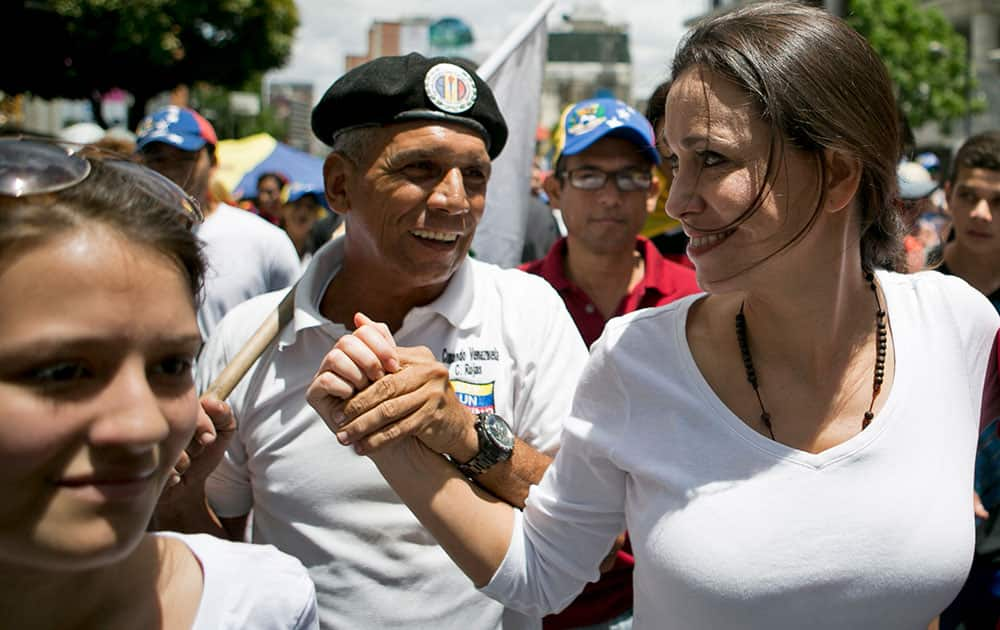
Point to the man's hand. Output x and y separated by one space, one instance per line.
183 506
356 361
401 392
380 398
416 401
214 429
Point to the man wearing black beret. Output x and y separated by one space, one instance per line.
413 139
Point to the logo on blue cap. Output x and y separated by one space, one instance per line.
450 88
585 118
176 126
588 121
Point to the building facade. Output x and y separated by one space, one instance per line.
292 102
979 22
589 57
427 36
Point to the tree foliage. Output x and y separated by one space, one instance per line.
213 103
79 48
925 56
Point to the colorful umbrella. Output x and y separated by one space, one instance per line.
242 161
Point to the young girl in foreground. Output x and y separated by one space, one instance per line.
99 274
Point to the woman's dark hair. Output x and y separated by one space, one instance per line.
655 112
819 85
657 103
105 198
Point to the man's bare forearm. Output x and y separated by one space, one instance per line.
511 480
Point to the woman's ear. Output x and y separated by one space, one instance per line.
337 172
843 177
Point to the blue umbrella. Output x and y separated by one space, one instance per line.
242 161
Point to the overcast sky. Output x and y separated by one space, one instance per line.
330 30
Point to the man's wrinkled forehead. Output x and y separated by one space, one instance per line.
434 142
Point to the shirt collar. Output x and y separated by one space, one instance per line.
323 266
454 304
553 266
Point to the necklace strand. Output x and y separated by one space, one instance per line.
881 347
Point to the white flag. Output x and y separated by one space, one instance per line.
514 73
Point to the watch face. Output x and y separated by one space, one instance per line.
498 430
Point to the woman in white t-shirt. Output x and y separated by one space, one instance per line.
98 276
795 448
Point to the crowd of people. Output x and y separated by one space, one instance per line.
784 415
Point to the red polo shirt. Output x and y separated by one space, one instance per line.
663 281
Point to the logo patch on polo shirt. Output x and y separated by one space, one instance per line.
478 397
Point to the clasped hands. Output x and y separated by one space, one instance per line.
373 394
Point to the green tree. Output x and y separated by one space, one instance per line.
926 58
213 103
83 48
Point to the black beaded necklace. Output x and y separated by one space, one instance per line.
882 344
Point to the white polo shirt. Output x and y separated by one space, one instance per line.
512 348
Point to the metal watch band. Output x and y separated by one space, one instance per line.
490 452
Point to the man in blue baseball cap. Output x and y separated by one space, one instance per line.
179 143
602 180
302 209
246 255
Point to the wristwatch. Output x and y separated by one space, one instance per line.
496 444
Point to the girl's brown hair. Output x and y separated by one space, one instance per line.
105 198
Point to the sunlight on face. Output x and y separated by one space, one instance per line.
415 210
719 150
97 340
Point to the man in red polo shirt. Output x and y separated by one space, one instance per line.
602 179
603 176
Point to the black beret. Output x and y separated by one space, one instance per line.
390 90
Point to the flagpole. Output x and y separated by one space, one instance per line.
516 37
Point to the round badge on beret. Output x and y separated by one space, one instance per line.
450 88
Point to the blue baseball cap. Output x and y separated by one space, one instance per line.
929 160
178 127
298 190
585 122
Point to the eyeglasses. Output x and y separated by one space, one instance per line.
34 166
627 179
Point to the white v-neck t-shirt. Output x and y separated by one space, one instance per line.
733 530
